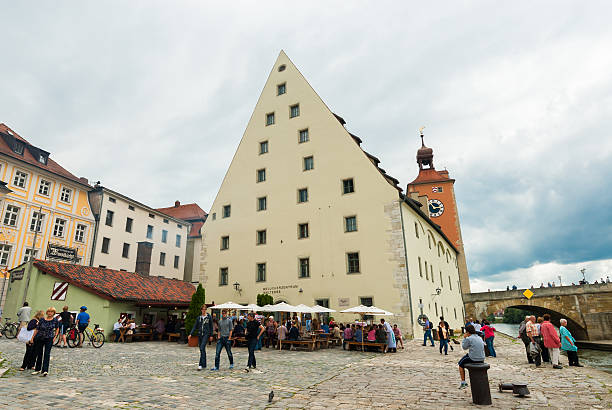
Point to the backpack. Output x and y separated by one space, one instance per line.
430 325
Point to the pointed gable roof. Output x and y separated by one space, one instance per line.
9 137
189 212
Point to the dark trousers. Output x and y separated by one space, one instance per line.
572 357
29 357
221 343
42 359
444 344
117 335
203 341
252 345
545 355
537 357
489 341
526 342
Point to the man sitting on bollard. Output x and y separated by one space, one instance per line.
476 353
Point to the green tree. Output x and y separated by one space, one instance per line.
264 299
513 315
197 300
491 318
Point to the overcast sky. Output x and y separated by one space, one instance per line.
152 98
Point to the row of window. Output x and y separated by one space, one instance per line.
441 309
126 252
294 111
5 254
303 136
430 274
348 186
303 232
129 222
352 266
430 239
44 187
11 216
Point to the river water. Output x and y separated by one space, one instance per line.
595 358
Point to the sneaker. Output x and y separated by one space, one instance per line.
231 366
43 374
199 368
246 370
35 373
556 366
214 369
578 365
463 385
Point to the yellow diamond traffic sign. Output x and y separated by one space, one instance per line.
528 294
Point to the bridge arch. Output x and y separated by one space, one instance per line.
578 331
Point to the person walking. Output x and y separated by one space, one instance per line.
65 320
29 358
46 330
23 315
443 337
551 341
398 336
427 329
489 335
203 326
475 347
391 342
254 330
224 336
568 343
534 337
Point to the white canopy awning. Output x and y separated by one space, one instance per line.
251 306
279 307
367 310
321 309
304 309
229 305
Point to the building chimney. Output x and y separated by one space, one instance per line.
143 258
177 203
84 180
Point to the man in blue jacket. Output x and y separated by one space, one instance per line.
204 329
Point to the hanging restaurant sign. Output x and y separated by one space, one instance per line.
63 253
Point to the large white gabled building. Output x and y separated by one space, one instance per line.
306 215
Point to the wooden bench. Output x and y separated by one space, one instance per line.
172 336
143 336
381 346
310 344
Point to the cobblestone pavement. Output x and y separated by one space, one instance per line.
163 375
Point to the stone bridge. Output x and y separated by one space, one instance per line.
587 308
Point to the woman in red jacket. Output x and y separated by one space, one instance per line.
551 340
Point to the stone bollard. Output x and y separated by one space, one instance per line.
479 383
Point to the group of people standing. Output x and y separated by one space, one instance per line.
543 344
381 333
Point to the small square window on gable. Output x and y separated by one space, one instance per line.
348 186
130 207
262 203
227 211
111 199
302 195
261 175
151 216
308 163
294 111
270 118
281 89
263 147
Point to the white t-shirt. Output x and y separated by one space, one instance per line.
117 326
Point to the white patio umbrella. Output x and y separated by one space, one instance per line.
252 307
301 308
367 310
281 307
321 309
228 305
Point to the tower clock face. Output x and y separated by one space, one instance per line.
436 208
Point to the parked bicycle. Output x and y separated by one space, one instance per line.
95 336
9 329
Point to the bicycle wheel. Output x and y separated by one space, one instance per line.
97 339
10 331
72 337
57 339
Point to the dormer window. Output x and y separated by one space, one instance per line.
18 147
42 158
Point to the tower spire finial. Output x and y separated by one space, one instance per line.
421 133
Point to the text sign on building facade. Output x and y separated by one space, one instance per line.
17 275
63 253
343 302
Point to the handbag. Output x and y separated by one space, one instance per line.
534 349
25 335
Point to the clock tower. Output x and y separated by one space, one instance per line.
439 189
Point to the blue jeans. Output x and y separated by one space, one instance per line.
444 344
428 336
489 341
117 335
252 345
221 343
203 342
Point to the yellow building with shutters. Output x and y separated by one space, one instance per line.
38 184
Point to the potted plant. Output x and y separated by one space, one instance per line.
197 300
